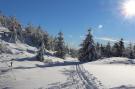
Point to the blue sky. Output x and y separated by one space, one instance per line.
74 17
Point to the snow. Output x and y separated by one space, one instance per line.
113 72
56 73
19 48
37 77
27 73
3 29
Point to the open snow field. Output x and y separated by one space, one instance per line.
113 72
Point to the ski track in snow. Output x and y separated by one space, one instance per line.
79 78
88 84
89 81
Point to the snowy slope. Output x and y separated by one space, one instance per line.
27 73
19 47
114 72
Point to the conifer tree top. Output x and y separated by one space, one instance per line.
60 33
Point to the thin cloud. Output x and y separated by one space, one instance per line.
110 39
106 39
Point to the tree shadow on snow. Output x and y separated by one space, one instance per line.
3 71
22 67
123 87
70 83
27 59
122 62
6 88
53 64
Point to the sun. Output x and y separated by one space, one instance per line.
129 8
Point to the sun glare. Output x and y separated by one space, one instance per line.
129 8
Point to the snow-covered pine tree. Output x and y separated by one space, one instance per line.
28 34
16 30
121 47
46 40
60 49
40 54
92 55
67 49
29 28
38 35
115 49
129 51
55 43
134 48
73 52
34 35
87 51
108 50
3 19
52 43
102 48
118 49
131 55
98 50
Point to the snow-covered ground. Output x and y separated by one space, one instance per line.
56 73
27 73
113 72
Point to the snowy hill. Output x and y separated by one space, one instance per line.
28 73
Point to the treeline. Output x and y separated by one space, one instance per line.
38 37
35 36
91 51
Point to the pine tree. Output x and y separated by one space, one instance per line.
130 52
67 49
73 53
98 50
15 29
60 46
46 40
102 48
29 28
121 47
131 55
118 49
115 49
3 19
108 50
87 51
52 43
35 35
40 54
134 50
